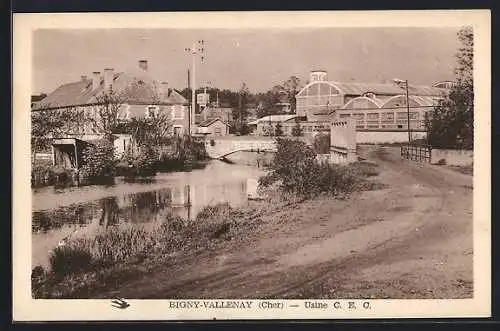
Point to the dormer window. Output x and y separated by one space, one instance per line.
152 111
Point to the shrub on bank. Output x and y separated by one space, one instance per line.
46 174
65 260
98 161
321 143
144 164
296 170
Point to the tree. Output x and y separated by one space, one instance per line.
291 87
46 124
451 123
269 101
105 112
278 130
297 130
240 113
277 94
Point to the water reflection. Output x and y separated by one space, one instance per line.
128 208
59 213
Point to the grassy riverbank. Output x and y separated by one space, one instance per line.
85 265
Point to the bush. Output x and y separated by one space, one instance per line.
321 143
143 165
216 221
49 175
296 129
214 212
278 130
99 161
65 260
296 170
119 244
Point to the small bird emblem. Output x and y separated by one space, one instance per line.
120 303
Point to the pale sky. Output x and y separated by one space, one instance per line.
260 58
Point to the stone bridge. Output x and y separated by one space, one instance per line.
342 144
220 147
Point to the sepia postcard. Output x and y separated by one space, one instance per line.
251 165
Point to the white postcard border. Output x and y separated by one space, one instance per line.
27 309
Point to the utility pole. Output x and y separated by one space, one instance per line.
189 113
193 50
405 82
240 109
408 111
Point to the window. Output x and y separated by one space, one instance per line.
152 111
413 115
345 115
388 117
218 130
373 116
401 115
177 112
359 117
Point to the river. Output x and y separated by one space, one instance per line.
59 213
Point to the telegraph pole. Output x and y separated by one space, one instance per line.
405 82
193 50
189 113
408 111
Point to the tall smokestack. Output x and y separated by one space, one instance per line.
108 78
143 64
96 80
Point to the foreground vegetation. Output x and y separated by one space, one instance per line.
84 265
296 170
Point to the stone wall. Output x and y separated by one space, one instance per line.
387 137
452 156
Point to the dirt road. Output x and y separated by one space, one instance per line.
410 240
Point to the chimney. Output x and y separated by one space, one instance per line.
96 80
164 91
108 78
143 64
83 78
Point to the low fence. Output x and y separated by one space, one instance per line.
416 153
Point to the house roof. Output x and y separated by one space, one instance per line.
358 89
176 98
387 89
133 87
36 98
211 121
